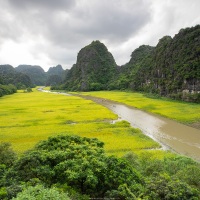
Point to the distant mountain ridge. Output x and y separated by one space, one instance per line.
171 68
55 75
58 70
8 75
36 73
39 77
30 75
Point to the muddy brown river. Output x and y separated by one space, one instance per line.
170 134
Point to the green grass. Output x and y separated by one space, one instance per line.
180 111
26 118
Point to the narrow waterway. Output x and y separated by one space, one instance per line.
170 134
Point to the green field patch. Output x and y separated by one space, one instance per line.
45 114
184 112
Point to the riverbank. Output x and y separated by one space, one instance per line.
170 134
183 112
26 118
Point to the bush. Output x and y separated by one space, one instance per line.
39 192
162 186
7 89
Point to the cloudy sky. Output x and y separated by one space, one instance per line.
51 32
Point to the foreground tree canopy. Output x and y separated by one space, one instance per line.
72 167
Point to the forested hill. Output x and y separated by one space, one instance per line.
38 76
55 75
36 73
94 70
58 70
8 75
172 68
25 76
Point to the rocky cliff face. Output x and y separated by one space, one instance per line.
58 70
55 75
94 69
135 73
176 62
171 69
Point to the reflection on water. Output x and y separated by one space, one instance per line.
170 134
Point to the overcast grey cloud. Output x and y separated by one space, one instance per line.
49 32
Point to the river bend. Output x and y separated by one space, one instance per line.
170 134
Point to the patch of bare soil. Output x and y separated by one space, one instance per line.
195 125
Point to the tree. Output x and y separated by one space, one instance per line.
80 163
7 155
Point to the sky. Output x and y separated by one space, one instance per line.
52 32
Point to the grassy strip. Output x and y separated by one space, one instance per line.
26 118
180 111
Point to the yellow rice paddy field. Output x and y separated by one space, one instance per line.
26 118
183 112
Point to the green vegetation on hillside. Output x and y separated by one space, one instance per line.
94 70
170 69
8 75
55 75
25 76
73 167
36 73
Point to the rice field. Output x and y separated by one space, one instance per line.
26 118
183 112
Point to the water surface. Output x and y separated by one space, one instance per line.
170 134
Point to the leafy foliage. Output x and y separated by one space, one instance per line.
39 192
170 178
78 162
72 167
161 186
7 89
7 155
